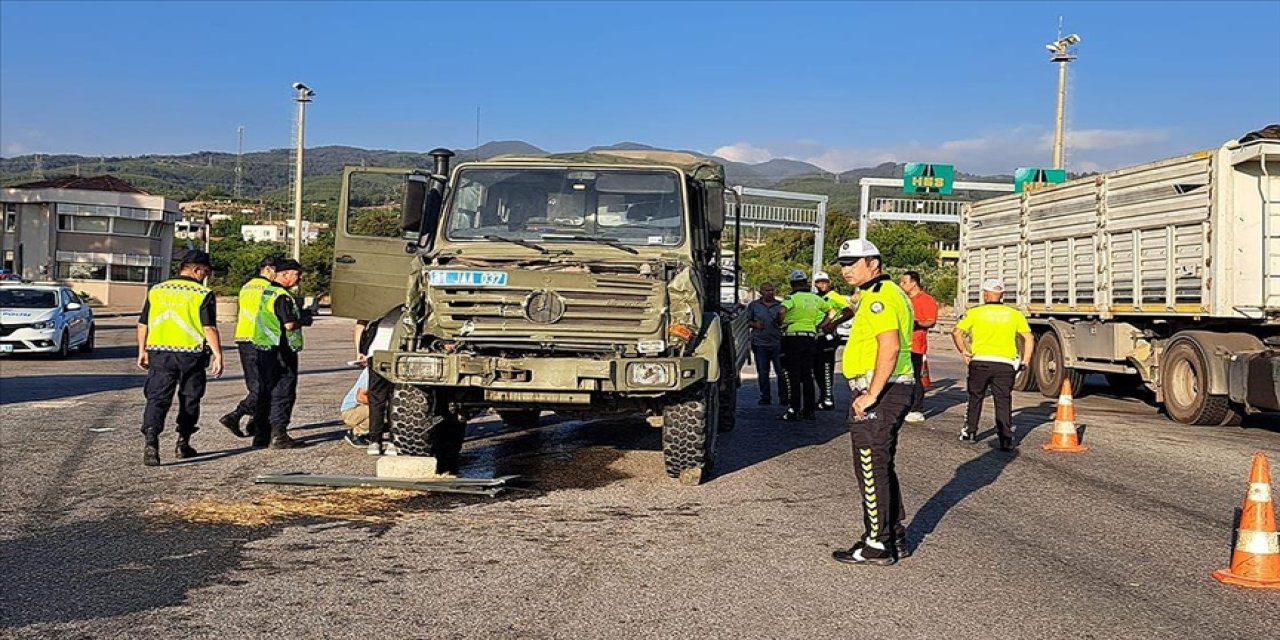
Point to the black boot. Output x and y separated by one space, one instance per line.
280 440
232 422
184 449
151 454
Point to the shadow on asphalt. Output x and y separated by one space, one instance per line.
69 385
968 479
103 569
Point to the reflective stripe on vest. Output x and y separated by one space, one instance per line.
250 300
267 328
173 319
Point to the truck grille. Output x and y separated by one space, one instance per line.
615 310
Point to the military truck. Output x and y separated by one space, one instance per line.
1164 276
582 284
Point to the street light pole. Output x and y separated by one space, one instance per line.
1062 54
303 97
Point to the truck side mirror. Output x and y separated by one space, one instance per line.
413 207
713 206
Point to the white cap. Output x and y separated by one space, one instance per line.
851 250
821 275
994 285
798 276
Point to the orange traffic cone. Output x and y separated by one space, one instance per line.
1255 562
1064 424
925 381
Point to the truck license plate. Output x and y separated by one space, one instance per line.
447 278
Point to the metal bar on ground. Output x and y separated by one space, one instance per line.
472 486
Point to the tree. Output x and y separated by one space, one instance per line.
230 227
904 245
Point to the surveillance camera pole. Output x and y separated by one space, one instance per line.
1061 55
303 97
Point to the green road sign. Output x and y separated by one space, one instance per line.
1034 179
918 177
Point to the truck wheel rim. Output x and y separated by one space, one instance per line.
1185 387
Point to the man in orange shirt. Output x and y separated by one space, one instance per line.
926 315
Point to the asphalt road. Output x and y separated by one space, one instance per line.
1117 542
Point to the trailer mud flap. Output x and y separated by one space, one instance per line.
1253 379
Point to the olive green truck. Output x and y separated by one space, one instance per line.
583 284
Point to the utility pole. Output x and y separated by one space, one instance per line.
303 97
237 189
1061 53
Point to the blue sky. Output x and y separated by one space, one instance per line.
842 85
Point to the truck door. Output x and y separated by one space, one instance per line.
370 261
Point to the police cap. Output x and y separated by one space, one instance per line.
288 264
197 257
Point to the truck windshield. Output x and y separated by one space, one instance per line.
548 206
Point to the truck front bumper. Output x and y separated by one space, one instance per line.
542 380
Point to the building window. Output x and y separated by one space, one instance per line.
127 273
130 227
8 260
82 271
85 224
10 217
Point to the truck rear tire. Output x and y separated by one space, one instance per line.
1050 364
520 418
689 433
421 425
1025 378
1184 383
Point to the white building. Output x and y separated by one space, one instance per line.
281 232
100 235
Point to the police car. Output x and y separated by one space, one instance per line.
43 318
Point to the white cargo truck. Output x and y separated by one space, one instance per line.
1165 275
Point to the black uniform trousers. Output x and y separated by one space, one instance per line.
277 391
797 358
249 365
379 404
917 396
999 377
170 371
875 450
824 366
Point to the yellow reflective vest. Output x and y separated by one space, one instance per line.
173 317
267 328
250 300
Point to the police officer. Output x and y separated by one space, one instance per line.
277 336
177 339
986 338
824 370
877 363
801 315
250 300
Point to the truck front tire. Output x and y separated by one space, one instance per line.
1184 385
421 425
690 425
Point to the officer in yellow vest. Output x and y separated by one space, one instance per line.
801 317
877 363
177 339
824 367
987 338
277 335
250 300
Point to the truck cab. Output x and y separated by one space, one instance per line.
583 284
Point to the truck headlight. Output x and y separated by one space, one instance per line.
649 374
420 367
41 326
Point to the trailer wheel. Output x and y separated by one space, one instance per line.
1050 365
689 433
1025 378
1184 381
421 425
